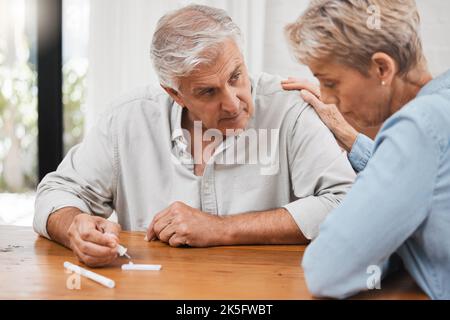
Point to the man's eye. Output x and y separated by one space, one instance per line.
207 92
235 77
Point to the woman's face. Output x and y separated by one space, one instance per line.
361 99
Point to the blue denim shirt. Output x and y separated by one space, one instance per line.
400 203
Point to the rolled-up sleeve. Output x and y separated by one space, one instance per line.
321 174
85 179
361 152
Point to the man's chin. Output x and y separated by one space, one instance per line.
235 128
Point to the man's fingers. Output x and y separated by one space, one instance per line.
97 237
176 241
94 250
89 260
162 214
110 227
160 226
151 234
312 100
167 233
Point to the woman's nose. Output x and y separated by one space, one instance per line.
329 99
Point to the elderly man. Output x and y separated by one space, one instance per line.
216 158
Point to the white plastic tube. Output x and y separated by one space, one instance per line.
141 267
89 274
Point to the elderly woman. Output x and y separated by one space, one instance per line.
374 73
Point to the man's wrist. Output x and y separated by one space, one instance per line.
58 224
223 232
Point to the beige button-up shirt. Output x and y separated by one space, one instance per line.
136 161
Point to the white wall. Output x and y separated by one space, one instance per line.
435 33
121 31
278 59
120 37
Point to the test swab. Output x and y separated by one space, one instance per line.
141 267
91 275
122 251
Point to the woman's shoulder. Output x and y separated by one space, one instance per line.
436 104
433 103
428 114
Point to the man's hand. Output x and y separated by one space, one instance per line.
329 113
94 240
181 224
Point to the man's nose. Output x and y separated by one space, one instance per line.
230 102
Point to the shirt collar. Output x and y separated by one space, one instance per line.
436 85
175 122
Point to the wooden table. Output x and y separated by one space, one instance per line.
31 267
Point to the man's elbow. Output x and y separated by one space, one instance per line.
40 226
42 209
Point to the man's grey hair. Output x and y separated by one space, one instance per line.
189 37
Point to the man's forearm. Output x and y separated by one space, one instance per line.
59 222
268 227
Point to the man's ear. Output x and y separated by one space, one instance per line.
175 95
384 67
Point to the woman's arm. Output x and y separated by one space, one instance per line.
387 204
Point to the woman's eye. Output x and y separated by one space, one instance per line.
329 85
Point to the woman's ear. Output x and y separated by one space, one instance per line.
384 67
175 95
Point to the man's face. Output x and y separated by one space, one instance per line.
218 95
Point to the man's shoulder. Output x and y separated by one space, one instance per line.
269 85
149 99
274 104
141 108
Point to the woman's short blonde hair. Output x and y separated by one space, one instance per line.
351 31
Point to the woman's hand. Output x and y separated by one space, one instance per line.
345 134
300 84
